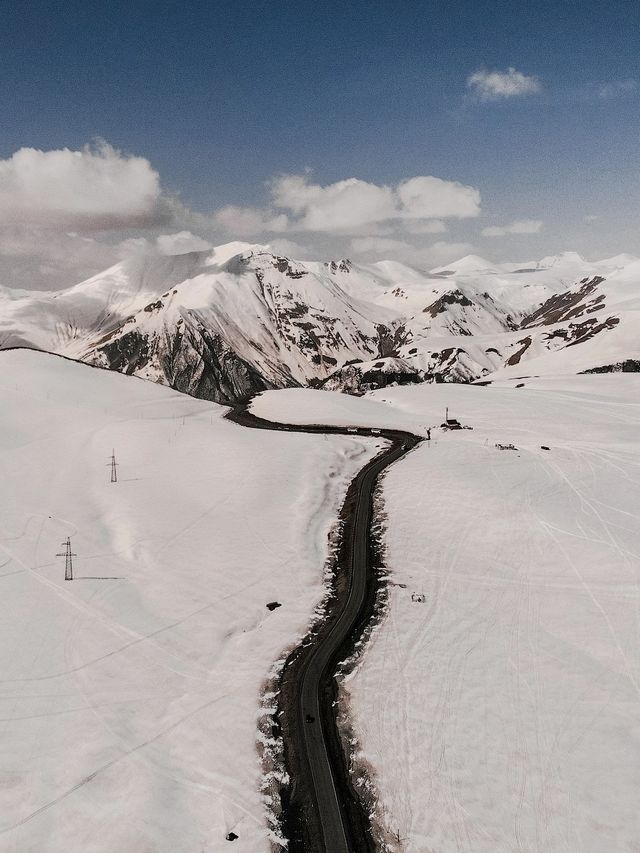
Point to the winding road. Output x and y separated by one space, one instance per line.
322 813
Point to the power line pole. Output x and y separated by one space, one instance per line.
68 564
114 464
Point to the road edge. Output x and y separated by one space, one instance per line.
300 822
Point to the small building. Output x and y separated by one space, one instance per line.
450 423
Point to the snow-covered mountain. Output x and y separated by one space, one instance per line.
226 323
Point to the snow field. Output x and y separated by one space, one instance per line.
501 714
129 698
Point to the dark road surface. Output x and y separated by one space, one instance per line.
324 814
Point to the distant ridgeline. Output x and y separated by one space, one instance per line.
227 323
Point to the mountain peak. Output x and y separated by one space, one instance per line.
222 254
562 259
467 264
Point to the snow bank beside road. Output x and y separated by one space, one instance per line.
129 697
328 408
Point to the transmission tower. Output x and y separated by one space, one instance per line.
68 564
114 467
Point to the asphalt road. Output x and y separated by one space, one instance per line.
330 823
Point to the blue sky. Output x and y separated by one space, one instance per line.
223 97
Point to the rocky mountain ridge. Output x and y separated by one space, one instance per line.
239 319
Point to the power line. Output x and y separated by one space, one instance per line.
68 563
114 467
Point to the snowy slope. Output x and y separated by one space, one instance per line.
63 321
218 325
594 324
130 697
285 322
589 324
501 713
238 319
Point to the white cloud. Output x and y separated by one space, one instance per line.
53 203
496 85
65 215
292 249
383 248
521 226
342 206
353 206
426 197
96 188
249 221
133 246
181 243
378 245
427 226
617 89
43 258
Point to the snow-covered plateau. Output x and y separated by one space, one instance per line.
130 697
497 705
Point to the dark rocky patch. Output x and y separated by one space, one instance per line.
390 340
564 306
629 365
284 265
317 358
343 266
515 358
381 379
192 359
127 353
584 331
454 297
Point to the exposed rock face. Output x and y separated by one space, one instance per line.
568 305
357 377
630 365
340 266
389 341
515 358
190 360
455 297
